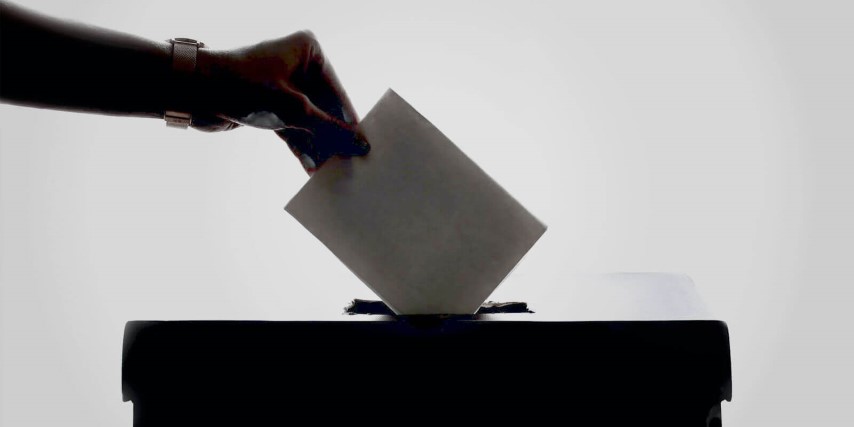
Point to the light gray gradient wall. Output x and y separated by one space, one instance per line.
710 138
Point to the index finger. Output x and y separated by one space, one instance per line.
322 86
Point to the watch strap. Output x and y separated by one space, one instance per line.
184 53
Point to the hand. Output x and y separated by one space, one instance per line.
284 85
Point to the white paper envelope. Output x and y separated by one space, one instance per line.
416 220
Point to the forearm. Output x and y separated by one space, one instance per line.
50 63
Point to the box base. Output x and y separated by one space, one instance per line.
398 372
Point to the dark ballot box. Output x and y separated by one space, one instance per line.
426 370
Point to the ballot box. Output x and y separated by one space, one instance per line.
426 370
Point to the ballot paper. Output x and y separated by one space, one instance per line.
416 220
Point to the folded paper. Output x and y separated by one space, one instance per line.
416 220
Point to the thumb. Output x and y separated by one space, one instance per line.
329 135
299 141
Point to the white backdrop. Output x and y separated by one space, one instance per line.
710 138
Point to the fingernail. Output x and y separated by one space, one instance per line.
307 163
362 145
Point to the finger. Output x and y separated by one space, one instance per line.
319 138
332 136
329 135
321 84
313 149
299 142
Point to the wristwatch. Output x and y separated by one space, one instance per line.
184 52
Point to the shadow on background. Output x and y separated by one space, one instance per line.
426 370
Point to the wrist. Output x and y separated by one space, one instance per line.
196 88
212 80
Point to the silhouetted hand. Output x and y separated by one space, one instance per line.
285 85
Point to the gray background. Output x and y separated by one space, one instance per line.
711 138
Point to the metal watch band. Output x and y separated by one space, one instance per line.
184 52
